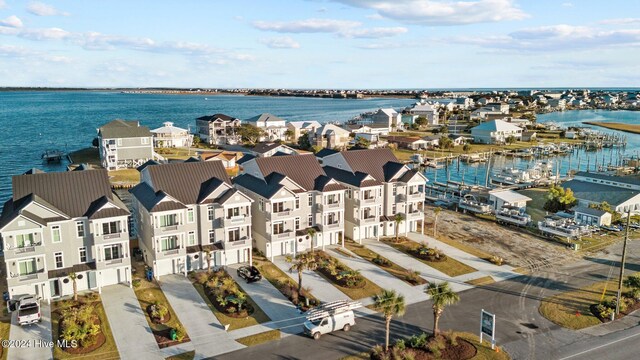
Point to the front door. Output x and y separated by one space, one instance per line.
91 280
55 288
188 263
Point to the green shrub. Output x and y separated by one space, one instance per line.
400 344
418 341
497 260
412 276
180 332
159 311
78 324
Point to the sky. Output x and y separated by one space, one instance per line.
332 44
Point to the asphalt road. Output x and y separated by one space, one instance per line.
520 329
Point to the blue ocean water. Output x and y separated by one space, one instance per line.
33 122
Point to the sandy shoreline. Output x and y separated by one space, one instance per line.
630 128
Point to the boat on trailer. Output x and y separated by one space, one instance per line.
513 215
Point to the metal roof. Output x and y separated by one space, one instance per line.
358 179
302 169
379 163
123 129
597 193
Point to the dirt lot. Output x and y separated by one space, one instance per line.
515 247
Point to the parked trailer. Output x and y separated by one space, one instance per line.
513 216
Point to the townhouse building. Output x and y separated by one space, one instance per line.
296 206
188 216
124 144
376 180
56 224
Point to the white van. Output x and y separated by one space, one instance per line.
341 321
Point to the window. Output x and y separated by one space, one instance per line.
234 234
110 228
332 219
119 142
297 203
145 141
23 240
395 189
278 207
55 234
27 267
83 254
210 213
278 228
191 238
232 212
310 200
310 220
393 209
80 229
212 236
190 216
368 194
111 252
297 223
332 199
367 213
261 205
57 259
168 220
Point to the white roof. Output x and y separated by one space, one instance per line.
168 128
330 127
419 106
496 125
389 111
304 124
509 196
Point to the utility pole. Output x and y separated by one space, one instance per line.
624 254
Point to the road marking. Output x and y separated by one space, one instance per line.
599 347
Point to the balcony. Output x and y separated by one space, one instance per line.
171 252
241 242
331 206
416 214
114 236
367 220
15 278
416 196
283 235
169 228
235 220
23 250
366 201
329 227
278 215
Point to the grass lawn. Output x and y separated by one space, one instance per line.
189 355
449 266
175 153
260 338
124 176
393 268
535 207
369 289
257 317
147 294
273 274
484 350
464 247
485 280
108 350
358 356
562 309
5 326
86 156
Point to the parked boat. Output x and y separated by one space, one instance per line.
470 203
567 228
513 215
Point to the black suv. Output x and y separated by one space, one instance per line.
249 273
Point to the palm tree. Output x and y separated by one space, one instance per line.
399 218
73 276
208 257
390 304
304 261
311 232
442 295
436 212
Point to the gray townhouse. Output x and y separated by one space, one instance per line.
378 188
60 223
218 129
124 144
292 194
189 215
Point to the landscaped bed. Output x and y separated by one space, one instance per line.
284 283
347 280
430 256
261 338
83 324
229 303
409 276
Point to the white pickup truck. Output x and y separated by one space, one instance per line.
28 308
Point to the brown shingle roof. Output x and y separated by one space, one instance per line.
373 162
73 192
187 182
302 169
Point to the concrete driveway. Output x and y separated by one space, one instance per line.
205 331
28 335
128 323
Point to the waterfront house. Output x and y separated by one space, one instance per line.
329 136
60 223
169 136
187 213
621 192
529 135
374 140
291 195
402 191
588 216
218 129
408 142
495 132
500 198
459 139
124 144
273 126
426 110
300 128
383 118
432 141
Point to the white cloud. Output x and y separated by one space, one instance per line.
3 4
42 9
283 42
556 38
567 4
12 21
373 33
306 26
442 12
621 21
45 34
14 51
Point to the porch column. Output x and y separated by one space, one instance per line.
130 277
342 238
185 265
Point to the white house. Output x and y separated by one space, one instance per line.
171 136
426 110
500 198
273 126
495 131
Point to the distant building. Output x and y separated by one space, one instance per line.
171 136
500 198
592 217
267 149
218 129
426 110
529 135
273 126
495 132
228 158
300 128
621 192
408 142
329 136
383 118
124 144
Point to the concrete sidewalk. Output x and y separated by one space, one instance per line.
208 337
128 323
29 334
